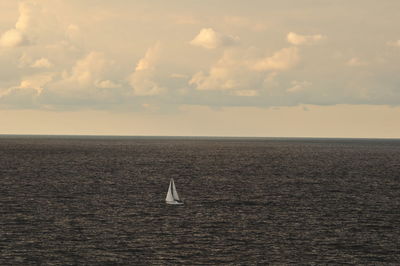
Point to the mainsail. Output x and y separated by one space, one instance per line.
174 192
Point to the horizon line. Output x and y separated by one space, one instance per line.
192 136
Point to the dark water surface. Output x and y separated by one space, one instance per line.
100 201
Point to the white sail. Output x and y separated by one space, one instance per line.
174 192
170 197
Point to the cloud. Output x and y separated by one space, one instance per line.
88 84
89 70
13 38
141 80
86 76
281 60
42 63
394 44
237 70
298 86
36 82
150 58
298 39
91 56
17 36
355 62
210 39
26 10
228 73
27 92
107 84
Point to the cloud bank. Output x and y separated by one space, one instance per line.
112 56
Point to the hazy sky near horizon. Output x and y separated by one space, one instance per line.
228 67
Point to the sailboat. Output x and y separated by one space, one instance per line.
172 195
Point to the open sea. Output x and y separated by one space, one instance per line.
248 201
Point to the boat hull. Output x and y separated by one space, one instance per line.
174 202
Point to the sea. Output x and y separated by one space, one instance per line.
76 200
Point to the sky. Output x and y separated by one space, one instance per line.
288 68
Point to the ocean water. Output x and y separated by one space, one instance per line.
100 201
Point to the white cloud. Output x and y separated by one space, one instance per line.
141 80
211 39
89 70
18 36
283 59
29 88
219 78
26 10
42 63
36 82
150 58
86 76
298 39
237 70
229 72
66 33
298 86
107 84
13 38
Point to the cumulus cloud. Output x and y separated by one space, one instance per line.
86 77
13 38
150 58
26 10
88 82
283 59
107 84
226 74
82 60
298 39
42 63
18 36
29 89
243 74
89 70
298 86
211 39
36 82
142 79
